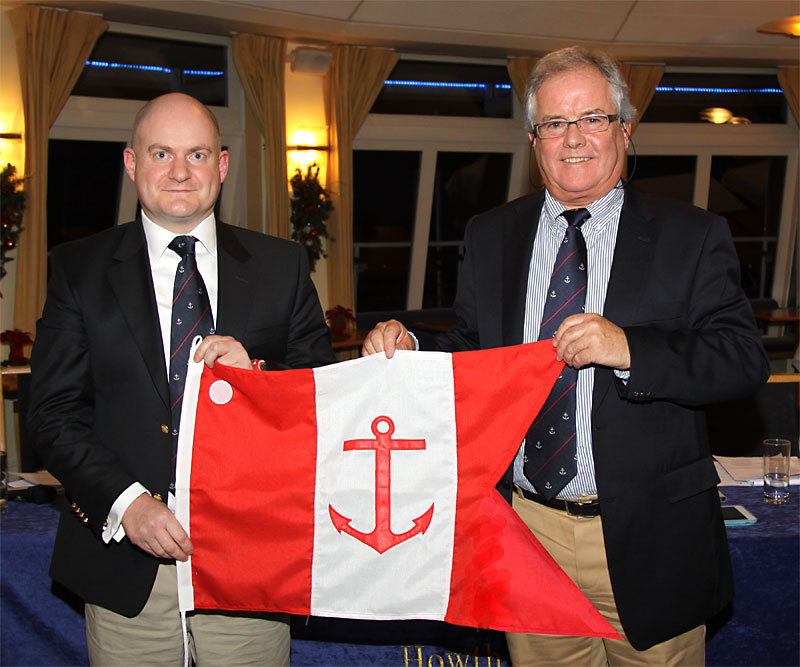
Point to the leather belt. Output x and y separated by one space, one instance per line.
586 508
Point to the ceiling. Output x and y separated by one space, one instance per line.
677 32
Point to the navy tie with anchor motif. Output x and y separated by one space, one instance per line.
191 316
550 447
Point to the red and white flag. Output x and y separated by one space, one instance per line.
365 490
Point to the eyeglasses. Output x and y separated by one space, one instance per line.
552 129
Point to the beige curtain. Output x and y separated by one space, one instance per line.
52 47
789 78
260 63
356 77
519 71
642 81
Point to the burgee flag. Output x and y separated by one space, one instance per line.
365 490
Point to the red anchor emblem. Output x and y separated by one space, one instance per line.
382 538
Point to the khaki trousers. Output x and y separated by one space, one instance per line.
577 545
154 636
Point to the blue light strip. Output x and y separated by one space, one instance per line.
152 68
688 89
445 84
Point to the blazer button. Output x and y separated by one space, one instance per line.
164 429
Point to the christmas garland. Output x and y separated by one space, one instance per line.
12 205
311 207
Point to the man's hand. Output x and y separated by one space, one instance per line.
387 337
589 338
150 525
225 349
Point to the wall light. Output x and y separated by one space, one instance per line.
788 25
11 146
305 149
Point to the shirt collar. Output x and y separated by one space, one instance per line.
158 238
598 209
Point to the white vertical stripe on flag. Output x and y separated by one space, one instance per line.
183 470
415 574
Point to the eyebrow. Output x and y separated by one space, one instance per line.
169 149
588 112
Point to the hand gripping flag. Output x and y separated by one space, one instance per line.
365 490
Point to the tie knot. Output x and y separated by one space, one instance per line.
576 216
183 245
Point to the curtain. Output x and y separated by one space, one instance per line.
52 47
519 71
356 77
642 81
789 79
260 63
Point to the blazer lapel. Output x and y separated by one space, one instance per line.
235 289
518 238
132 283
637 237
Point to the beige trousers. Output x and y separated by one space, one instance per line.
154 636
577 544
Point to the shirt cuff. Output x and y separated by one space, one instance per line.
112 528
414 338
623 375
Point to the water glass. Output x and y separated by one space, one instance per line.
776 471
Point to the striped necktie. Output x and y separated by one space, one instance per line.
550 447
191 316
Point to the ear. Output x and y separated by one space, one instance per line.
626 133
129 159
223 165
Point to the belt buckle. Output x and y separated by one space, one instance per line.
574 508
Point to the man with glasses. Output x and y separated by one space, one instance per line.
642 300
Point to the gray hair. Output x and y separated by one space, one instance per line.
577 57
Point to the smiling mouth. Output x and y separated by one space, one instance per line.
575 160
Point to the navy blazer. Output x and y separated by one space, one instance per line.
99 395
674 289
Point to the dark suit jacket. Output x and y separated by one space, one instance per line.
99 392
674 289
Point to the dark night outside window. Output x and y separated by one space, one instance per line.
384 209
141 68
84 180
665 175
683 97
466 184
446 89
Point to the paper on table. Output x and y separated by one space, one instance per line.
748 470
40 477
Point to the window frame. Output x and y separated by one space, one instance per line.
431 134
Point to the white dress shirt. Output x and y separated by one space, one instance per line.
600 233
163 265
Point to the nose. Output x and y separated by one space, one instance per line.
179 171
573 137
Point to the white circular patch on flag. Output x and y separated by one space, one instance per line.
220 392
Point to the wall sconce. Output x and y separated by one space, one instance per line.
305 150
11 145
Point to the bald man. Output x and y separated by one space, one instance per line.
102 412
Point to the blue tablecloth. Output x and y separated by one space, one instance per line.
42 623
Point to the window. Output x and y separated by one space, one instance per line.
85 200
435 172
133 67
695 97
665 175
446 89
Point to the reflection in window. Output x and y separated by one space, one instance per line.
466 184
748 191
690 97
384 208
141 68
84 181
446 89
666 175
